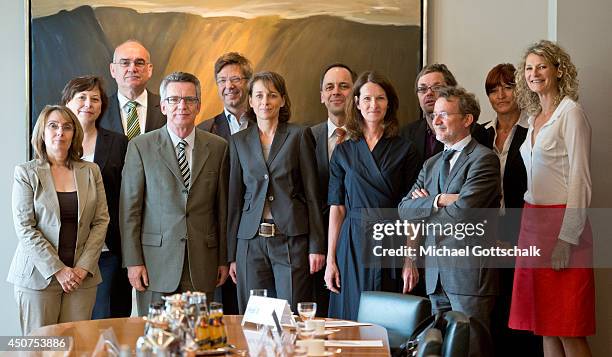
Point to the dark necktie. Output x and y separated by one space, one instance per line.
447 155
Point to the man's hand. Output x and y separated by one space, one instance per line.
317 261
410 275
232 272
446 199
419 193
560 256
222 273
137 274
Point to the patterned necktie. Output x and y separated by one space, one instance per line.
340 135
133 127
447 155
183 163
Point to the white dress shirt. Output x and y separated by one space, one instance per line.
235 125
503 154
332 139
141 109
458 147
190 139
558 166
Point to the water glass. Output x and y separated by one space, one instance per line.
307 310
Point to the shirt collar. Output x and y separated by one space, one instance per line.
523 121
190 139
460 145
229 116
331 128
141 99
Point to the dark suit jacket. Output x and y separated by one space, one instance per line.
218 126
415 133
111 119
287 180
319 132
110 156
476 178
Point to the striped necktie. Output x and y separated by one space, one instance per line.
133 127
183 163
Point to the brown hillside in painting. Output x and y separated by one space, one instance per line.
296 48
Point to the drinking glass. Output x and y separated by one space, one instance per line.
307 310
259 292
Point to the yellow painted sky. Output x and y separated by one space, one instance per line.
395 12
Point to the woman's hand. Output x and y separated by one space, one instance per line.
332 276
560 256
68 279
232 272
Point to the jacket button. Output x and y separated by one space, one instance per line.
266 176
270 198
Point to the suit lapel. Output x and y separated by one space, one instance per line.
101 152
463 156
322 150
221 126
517 140
45 179
277 143
167 153
81 176
199 155
254 145
153 110
115 115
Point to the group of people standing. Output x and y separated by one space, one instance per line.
127 193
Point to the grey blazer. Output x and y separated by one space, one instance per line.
158 217
288 180
476 178
36 216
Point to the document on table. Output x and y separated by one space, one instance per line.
344 323
353 343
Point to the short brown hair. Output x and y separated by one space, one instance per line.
276 80
449 79
81 84
354 119
503 73
38 134
468 104
234 58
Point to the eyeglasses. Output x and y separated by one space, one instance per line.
233 80
124 62
443 115
176 100
434 88
56 126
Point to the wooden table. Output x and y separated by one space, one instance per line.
86 333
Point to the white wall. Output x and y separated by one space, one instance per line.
13 139
471 36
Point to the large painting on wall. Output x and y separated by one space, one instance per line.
296 38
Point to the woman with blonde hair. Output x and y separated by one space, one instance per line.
60 217
554 296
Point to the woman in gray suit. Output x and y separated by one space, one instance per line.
60 217
275 231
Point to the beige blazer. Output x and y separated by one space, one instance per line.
36 216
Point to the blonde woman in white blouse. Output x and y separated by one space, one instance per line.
554 297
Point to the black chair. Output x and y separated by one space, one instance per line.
398 313
456 335
431 345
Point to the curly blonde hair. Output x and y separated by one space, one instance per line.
567 83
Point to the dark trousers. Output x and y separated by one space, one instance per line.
279 264
227 294
321 293
114 295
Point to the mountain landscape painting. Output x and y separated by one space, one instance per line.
295 38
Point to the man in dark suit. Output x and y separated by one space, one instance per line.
336 85
173 204
232 73
133 110
428 83
449 189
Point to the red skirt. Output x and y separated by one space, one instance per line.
548 302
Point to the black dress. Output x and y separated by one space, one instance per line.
364 180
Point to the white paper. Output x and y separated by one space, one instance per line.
259 311
344 323
353 343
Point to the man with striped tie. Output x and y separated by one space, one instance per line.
133 110
173 204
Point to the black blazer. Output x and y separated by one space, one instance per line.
109 154
111 119
287 180
319 132
217 125
415 133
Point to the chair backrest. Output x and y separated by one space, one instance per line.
398 313
456 335
431 345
